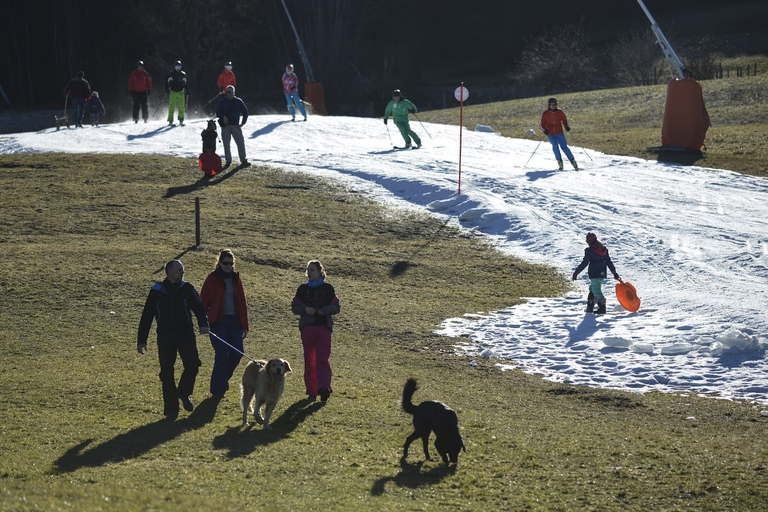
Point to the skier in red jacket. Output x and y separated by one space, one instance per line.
552 122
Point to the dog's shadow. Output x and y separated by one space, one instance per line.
136 442
412 476
241 442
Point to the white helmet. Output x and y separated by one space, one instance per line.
289 68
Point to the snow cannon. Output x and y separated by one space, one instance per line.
627 296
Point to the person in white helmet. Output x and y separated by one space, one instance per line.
291 91
226 77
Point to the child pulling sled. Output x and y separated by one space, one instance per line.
596 256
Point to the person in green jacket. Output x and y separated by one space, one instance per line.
399 108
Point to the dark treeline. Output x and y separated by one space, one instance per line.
358 49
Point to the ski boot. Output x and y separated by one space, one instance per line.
408 146
601 306
591 303
560 164
575 165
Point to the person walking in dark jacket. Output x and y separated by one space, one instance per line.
229 111
597 258
79 90
178 90
140 86
172 303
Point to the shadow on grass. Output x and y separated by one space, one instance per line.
400 267
412 476
136 442
241 442
178 257
205 181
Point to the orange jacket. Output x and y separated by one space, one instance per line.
212 295
227 78
553 121
139 81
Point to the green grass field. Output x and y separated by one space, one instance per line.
83 238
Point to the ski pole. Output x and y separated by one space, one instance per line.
581 148
159 103
388 134
211 101
230 346
422 125
534 152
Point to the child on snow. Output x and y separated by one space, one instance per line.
596 256
209 136
94 106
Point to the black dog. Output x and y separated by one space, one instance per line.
432 416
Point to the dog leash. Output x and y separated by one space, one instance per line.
230 346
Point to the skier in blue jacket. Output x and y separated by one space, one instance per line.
596 256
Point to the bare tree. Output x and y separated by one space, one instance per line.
636 59
560 59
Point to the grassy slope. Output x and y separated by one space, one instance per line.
627 121
83 237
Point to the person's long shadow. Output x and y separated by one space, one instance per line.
267 129
411 476
205 181
136 442
148 134
241 442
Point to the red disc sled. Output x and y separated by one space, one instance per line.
627 296
210 163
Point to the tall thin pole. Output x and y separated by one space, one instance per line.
197 222
302 53
461 131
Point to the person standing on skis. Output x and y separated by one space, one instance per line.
596 256
140 85
552 122
399 108
177 89
291 91
226 77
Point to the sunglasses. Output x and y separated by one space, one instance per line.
226 263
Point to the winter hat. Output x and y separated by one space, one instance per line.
231 88
591 237
211 124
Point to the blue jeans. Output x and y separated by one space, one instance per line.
559 140
293 99
78 104
226 359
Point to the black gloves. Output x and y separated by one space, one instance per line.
567 128
385 121
546 132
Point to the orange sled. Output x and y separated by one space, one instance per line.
627 296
